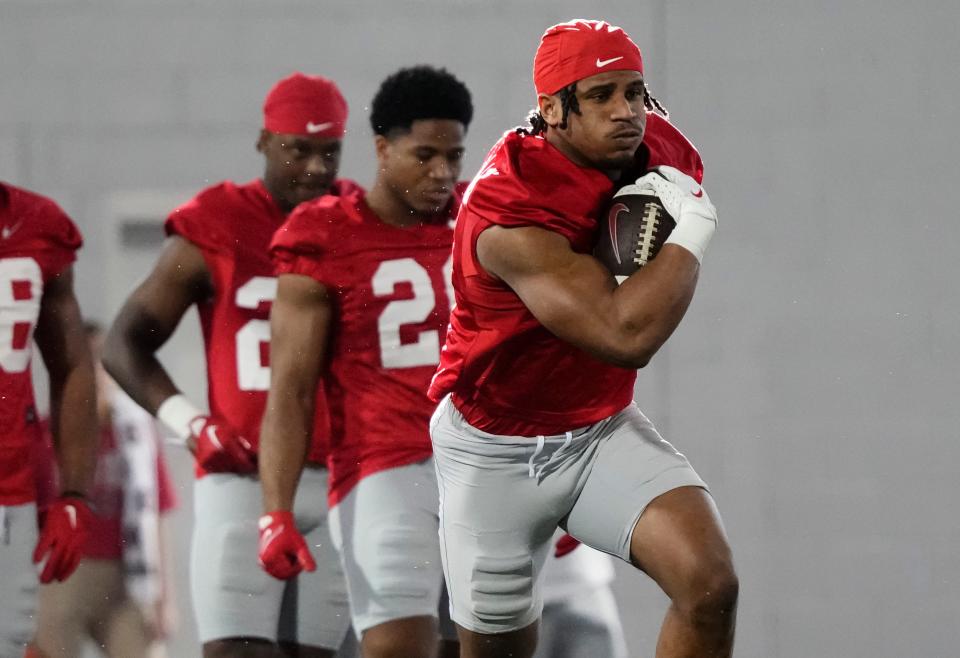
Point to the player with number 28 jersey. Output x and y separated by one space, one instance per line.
363 292
392 295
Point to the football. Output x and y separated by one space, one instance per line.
631 231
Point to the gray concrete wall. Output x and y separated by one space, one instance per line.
813 382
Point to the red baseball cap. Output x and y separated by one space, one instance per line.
308 105
580 48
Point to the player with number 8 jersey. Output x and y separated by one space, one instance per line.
38 244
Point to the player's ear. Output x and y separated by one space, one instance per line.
263 140
382 147
551 109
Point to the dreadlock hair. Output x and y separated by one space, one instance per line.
419 92
569 103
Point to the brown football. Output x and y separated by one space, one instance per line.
632 230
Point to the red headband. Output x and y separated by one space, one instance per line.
581 48
308 105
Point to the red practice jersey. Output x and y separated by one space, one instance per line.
390 289
232 226
506 372
37 242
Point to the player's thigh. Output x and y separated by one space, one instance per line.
315 611
18 577
679 541
633 465
500 501
232 595
386 532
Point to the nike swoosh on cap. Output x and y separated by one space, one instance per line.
318 127
603 62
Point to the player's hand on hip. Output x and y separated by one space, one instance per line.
219 448
62 538
687 202
565 545
283 551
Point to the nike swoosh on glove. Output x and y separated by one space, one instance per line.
565 545
221 449
283 552
62 538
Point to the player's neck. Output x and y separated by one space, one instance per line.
389 208
574 156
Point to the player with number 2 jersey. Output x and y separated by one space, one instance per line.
364 286
217 258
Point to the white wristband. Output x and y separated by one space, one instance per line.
693 232
176 413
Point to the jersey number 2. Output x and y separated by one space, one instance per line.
426 350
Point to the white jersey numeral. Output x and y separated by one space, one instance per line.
21 286
426 350
252 375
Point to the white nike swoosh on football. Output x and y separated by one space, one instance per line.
318 127
603 62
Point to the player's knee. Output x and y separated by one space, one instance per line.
407 638
501 591
711 593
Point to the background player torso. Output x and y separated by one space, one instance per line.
37 242
232 225
391 294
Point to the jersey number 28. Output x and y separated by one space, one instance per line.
426 350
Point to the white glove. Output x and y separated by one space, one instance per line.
687 202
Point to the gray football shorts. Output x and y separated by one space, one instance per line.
18 578
502 497
386 530
233 596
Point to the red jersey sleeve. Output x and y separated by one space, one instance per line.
301 244
36 225
668 146
200 220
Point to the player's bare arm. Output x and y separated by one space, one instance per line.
66 354
299 326
149 317
578 300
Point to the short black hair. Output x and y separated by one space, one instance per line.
419 92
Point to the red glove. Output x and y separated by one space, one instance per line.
218 448
565 545
283 552
62 537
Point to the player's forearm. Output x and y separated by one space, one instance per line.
650 304
73 414
129 355
284 443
